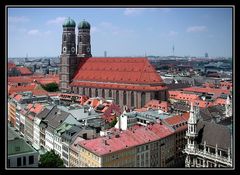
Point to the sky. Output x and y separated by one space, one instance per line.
37 32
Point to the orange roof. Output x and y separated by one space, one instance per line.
155 104
12 89
220 101
24 70
178 121
94 102
43 79
39 92
179 95
129 73
201 103
36 108
207 90
18 97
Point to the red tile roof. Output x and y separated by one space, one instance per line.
137 135
207 90
220 101
129 73
18 97
12 89
156 104
94 102
178 121
39 92
179 95
43 79
201 103
24 71
36 108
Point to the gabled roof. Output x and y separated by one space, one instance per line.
127 72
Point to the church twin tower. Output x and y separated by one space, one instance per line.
70 55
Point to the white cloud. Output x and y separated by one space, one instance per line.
109 28
17 19
133 11
36 32
197 29
58 20
172 33
33 32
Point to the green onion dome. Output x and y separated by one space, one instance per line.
84 25
69 23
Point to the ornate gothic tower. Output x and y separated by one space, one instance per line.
68 61
84 40
191 137
228 107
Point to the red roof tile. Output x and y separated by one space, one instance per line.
36 108
178 121
18 97
24 70
137 135
129 73
207 90
156 104
179 95
12 89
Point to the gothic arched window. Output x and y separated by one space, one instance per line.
143 99
103 93
124 98
117 97
96 92
132 98
90 92
110 93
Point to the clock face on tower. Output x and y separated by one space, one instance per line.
64 49
73 49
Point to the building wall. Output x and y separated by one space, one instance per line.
73 158
36 134
65 153
22 123
123 158
143 155
12 113
49 142
28 129
167 151
180 143
58 145
88 159
12 160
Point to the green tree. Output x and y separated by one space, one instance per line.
51 87
113 122
50 160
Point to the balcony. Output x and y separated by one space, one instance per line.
208 155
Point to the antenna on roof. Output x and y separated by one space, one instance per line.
173 49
